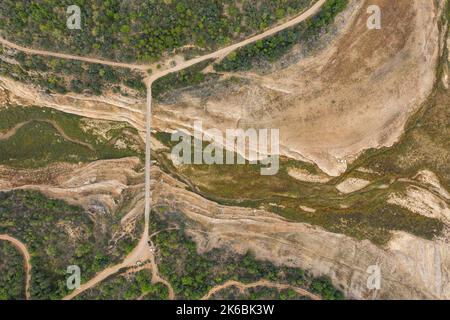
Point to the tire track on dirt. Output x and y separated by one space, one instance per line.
143 248
26 256
261 283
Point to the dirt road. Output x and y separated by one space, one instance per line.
221 53
26 255
140 253
261 283
142 250
148 163
132 66
149 80
186 64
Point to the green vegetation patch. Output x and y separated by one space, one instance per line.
188 77
47 136
274 47
57 235
140 30
56 75
37 144
126 286
12 274
363 215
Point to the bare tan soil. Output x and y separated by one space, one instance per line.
261 283
350 185
423 202
306 176
356 94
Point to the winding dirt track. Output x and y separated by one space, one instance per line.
142 250
12 45
261 283
140 253
221 53
156 278
26 255
144 67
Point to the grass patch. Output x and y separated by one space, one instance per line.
363 214
61 76
39 142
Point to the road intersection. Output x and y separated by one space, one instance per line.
143 251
